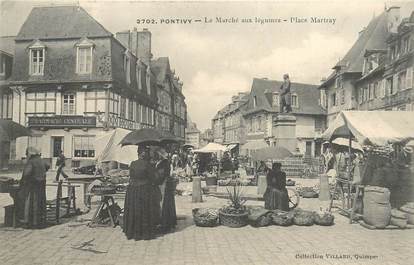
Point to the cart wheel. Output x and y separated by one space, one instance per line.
293 198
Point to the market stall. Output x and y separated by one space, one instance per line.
385 164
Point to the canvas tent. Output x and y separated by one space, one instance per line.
211 148
108 148
373 127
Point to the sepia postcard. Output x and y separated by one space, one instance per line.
206 132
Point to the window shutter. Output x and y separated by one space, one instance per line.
409 78
383 88
395 87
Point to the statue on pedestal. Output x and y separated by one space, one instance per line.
286 96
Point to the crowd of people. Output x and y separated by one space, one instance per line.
149 202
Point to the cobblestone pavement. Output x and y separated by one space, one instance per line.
189 244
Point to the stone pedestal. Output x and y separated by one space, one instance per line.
261 185
284 131
196 195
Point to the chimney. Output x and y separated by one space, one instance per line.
124 38
393 19
143 50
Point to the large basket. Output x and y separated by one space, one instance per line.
205 217
233 220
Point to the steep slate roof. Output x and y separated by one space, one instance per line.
308 97
372 38
59 22
7 44
160 68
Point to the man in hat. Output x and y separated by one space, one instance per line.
285 94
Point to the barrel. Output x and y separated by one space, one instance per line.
377 207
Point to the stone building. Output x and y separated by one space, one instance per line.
6 95
192 134
73 80
376 73
172 109
262 114
228 124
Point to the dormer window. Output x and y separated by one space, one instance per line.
275 99
84 51
148 80
254 102
138 74
127 67
37 58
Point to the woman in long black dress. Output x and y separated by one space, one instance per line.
168 212
140 215
276 196
31 206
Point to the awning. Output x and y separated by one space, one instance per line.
231 147
373 127
254 145
108 149
211 148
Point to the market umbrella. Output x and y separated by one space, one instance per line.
10 130
211 148
272 152
345 142
187 145
148 136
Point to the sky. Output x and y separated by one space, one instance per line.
218 60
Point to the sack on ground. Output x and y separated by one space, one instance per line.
303 218
282 218
408 209
325 219
398 218
205 217
259 216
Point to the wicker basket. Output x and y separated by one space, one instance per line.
233 220
205 217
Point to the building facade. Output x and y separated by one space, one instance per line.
376 73
263 107
73 81
7 148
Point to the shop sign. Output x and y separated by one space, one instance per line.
62 121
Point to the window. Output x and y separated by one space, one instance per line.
148 80
127 67
376 89
254 102
95 101
131 110
333 99
401 81
389 86
113 103
138 74
295 102
342 96
322 98
83 146
276 99
37 61
2 64
382 88
68 104
41 102
338 82
6 106
122 112
259 123
84 58
360 95
409 79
